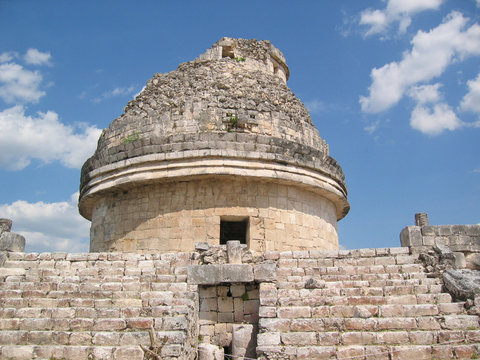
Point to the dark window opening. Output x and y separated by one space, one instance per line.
233 230
227 51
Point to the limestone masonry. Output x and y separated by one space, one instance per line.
214 207
219 146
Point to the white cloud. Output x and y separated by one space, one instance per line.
42 137
471 101
432 52
19 84
396 11
36 57
7 56
433 120
118 91
431 116
425 93
49 226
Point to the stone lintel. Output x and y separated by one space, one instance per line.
217 274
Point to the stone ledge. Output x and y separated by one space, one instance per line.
151 169
217 274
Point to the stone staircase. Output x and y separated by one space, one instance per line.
361 304
96 306
351 304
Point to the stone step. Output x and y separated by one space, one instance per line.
377 352
309 298
168 291
400 337
395 310
371 278
448 322
377 283
173 325
338 290
286 323
289 269
44 289
78 352
349 261
87 338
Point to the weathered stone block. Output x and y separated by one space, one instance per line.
460 260
472 261
462 284
244 340
234 252
128 353
265 272
268 339
350 352
411 236
428 230
317 352
12 242
411 352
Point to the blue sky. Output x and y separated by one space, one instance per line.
393 87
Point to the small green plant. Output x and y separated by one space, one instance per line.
239 59
245 296
131 138
474 355
233 121
174 124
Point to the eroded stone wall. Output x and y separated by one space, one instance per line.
173 216
462 240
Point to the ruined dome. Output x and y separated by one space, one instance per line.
222 138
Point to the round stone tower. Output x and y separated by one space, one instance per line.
219 149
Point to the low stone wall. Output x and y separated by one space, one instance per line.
462 240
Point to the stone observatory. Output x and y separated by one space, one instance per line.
219 149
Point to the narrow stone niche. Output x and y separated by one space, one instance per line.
229 317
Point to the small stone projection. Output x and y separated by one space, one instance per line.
214 206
